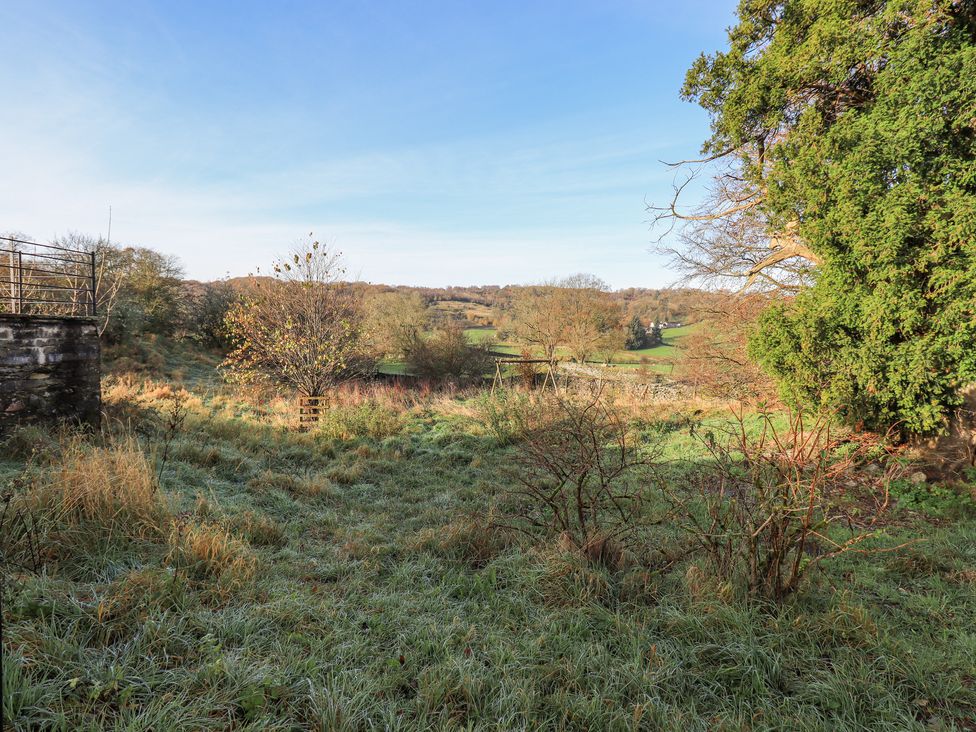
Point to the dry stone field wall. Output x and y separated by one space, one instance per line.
652 388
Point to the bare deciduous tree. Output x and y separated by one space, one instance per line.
108 277
727 239
394 319
715 356
536 321
592 317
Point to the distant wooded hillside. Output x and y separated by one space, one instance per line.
481 304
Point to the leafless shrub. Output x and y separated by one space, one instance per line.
173 416
576 475
447 355
765 512
526 369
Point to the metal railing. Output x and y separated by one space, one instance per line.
44 279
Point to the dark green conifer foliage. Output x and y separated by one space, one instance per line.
655 337
636 335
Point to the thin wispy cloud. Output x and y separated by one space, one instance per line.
456 184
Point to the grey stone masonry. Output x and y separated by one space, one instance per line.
49 370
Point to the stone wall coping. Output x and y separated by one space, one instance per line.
48 318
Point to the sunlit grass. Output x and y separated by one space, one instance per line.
347 578
667 351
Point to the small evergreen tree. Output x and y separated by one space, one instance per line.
655 337
636 335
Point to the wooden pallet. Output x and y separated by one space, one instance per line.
310 409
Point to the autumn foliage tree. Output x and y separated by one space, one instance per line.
302 328
575 313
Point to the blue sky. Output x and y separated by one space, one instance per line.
433 143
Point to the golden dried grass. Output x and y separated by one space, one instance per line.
207 551
110 489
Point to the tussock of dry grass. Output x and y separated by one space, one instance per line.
111 490
363 420
309 485
473 539
207 551
259 530
345 474
127 600
569 579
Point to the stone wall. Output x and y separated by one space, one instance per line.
952 454
49 370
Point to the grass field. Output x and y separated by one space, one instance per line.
392 368
659 359
341 579
670 349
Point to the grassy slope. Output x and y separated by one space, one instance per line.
368 611
464 310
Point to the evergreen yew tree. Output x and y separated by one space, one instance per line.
852 125
636 335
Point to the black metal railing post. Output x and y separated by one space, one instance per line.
94 283
10 280
20 282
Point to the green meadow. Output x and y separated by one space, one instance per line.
349 578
